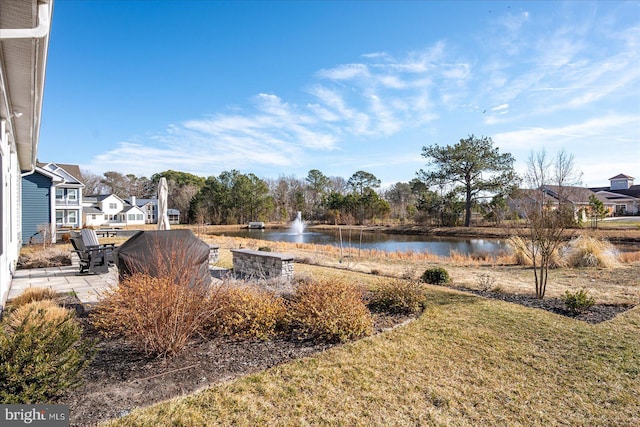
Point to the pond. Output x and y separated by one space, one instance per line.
441 246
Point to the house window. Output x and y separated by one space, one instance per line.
132 217
139 217
59 217
72 217
59 193
113 206
72 194
93 217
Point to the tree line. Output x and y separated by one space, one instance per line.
469 177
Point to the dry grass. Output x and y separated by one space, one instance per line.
466 361
616 285
33 294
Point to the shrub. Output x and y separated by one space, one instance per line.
157 314
41 353
398 297
436 276
33 294
329 310
247 312
578 302
585 251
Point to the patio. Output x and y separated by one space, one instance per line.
87 287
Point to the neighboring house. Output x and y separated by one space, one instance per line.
174 216
149 206
111 211
51 199
622 197
24 40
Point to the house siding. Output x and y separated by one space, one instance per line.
36 206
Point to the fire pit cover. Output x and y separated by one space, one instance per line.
171 253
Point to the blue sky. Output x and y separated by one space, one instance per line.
280 88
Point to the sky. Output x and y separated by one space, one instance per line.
278 88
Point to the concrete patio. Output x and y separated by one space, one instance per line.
87 287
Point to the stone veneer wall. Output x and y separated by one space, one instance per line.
262 264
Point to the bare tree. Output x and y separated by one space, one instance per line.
92 183
545 224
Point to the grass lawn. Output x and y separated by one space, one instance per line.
467 361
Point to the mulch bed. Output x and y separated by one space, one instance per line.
595 314
121 378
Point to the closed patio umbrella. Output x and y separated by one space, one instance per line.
163 192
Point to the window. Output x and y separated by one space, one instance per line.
72 218
113 206
139 217
72 194
59 193
131 217
59 217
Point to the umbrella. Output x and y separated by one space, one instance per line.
163 218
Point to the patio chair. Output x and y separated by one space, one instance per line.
92 260
90 240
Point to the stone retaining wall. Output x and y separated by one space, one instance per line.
262 264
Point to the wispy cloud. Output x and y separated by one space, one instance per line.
530 81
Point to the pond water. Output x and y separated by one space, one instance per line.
441 246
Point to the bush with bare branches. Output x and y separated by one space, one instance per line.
329 310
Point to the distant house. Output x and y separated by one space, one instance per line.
109 211
51 200
174 216
149 206
621 197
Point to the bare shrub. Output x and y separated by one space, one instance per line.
247 312
398 297
157 314
33 294
329 310
486 281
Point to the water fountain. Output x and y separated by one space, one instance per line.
297 227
